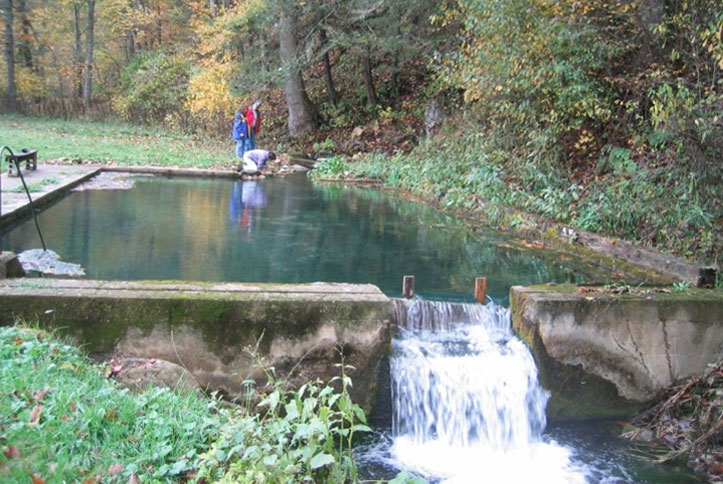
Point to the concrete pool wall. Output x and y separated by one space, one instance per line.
223 334
597 352
593 345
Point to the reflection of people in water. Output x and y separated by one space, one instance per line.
245 197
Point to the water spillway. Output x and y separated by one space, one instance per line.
466 401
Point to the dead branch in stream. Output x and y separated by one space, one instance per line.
688 419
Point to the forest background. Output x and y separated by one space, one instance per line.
606 115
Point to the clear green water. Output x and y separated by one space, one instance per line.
286 230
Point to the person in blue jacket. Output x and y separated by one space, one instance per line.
240 132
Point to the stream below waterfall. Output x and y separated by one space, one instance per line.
466 407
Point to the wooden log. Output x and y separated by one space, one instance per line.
408 287
305 162
480 290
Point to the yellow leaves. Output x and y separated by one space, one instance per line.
210 96
28 83
585 140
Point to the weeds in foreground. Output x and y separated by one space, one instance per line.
61 420
303 435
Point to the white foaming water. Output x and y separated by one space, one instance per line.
467 406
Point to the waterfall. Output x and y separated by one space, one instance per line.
467 405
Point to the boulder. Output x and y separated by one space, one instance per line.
140 373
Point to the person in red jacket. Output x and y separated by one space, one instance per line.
253 120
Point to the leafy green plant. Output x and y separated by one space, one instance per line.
681 286
303 435
155 85
334 167
617 160
327 145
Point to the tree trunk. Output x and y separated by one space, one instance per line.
650 14
212 7
78 50
368 80
265 53
24 50
11 101
301 112
130 45
137 5
159 26
330 89
89 41
396 88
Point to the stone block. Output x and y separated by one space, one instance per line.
10 266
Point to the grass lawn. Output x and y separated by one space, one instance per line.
117 143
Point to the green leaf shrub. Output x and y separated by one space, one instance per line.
155 86
303 435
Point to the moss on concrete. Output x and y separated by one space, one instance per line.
576 394
215 323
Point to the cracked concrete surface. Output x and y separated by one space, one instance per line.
641 343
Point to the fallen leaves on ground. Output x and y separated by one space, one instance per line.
12 452
35 415
688 419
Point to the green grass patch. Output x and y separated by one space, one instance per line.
63 421
108 142
36 187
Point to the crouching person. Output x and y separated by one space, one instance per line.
255 160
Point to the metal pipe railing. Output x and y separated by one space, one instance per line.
17 159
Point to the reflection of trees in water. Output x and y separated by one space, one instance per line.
467 251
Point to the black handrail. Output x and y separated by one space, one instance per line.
17 159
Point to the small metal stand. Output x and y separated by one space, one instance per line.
30 157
